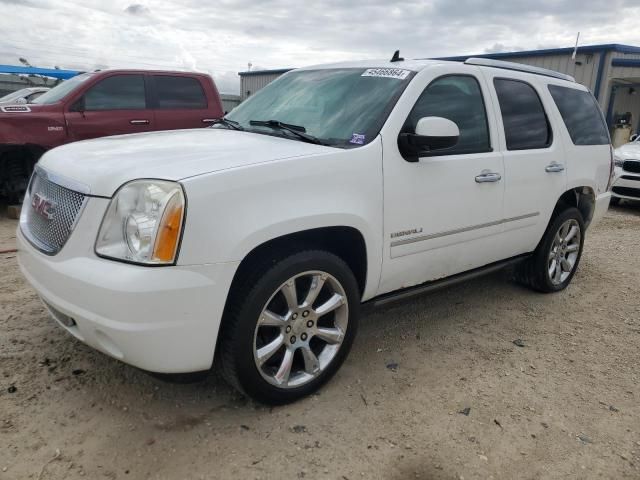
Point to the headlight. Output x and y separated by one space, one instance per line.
143 223
618 161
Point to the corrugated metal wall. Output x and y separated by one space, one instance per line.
585 72
250 84
229 102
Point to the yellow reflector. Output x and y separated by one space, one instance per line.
169 231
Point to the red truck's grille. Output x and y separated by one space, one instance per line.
50 213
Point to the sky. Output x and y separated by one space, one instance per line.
221 37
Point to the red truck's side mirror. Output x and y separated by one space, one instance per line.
78 106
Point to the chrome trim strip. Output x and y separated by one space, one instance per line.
422 238
64 182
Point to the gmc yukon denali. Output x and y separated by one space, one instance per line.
251 245
110 102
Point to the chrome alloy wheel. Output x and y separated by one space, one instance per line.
564 252
301 329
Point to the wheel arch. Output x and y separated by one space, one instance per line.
346 242
582 197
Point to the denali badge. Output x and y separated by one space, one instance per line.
404 233
43 206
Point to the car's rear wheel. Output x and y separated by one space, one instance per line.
556 259
289 326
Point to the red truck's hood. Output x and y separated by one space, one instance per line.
104 164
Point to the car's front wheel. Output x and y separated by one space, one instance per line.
289 326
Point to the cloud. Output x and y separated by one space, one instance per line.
222 37
137 9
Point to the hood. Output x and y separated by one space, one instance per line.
104 164
628 151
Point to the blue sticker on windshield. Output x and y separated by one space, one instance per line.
357 138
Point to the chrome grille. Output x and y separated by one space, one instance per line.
50 213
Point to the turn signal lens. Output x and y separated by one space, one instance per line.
169 231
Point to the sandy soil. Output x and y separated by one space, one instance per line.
566 405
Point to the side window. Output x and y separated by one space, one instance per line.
179 92
581 115
525 122
457 98
119 92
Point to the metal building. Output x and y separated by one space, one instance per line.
611 72
229 102
252 81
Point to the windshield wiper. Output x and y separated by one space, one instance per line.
228 123
297 130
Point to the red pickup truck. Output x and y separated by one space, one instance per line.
98 104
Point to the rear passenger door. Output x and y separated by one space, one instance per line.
179 102
535 170
115 105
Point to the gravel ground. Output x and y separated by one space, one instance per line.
434 388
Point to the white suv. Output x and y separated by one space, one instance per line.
257 239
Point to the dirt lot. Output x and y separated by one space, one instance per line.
566 405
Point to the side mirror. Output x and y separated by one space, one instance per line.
78 106
432 133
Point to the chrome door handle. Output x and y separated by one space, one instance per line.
139 122
554 167
209 120
487 176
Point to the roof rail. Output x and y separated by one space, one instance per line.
518 67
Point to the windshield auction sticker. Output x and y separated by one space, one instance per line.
398 73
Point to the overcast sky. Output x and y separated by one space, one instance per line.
222 36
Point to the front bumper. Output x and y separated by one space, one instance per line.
626 185
161 319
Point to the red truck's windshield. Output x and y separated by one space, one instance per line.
59 92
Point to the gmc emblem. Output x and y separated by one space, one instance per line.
43 206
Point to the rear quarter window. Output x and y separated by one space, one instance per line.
581 115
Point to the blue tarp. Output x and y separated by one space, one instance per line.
47 72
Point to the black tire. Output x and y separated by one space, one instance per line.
615 201
251 294
535 271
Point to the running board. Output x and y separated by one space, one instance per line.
443 283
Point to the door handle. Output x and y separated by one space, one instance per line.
554 167
139 122
487 176
209 120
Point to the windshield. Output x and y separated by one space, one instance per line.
340 107
15 95
58 92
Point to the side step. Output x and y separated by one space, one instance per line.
443 283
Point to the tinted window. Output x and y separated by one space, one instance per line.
581 115
525 122
120 92
457 98
179 92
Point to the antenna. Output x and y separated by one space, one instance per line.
396 57
575 49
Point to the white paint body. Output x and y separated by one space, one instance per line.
625 178
244 189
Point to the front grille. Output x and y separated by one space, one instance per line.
627 191
50 213
629 177
632 166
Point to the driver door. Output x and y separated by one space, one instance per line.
443 213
